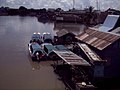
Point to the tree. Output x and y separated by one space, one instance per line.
90 9
22 11
22 8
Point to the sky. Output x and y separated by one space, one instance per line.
64 4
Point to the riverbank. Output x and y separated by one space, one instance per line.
88 16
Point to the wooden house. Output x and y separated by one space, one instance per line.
65 37
107 46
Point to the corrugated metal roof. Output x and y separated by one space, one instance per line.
61 32
117 30
93 57
97 39
71 58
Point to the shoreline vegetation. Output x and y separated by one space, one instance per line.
88 16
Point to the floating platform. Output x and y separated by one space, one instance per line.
80 86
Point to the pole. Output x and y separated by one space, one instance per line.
97 4
73 4
98 8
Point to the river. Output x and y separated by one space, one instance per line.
17 70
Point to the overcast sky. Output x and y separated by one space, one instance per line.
64 4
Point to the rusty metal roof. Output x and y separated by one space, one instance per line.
93 57
97 39
71 58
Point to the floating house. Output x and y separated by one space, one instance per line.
107 46
96 73
65 37
72 69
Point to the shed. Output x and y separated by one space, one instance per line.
65 37
97 69
107 46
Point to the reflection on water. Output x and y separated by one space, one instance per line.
34 64
16 68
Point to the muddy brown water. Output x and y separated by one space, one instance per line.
17 70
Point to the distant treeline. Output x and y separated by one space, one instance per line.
88 16
23 11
